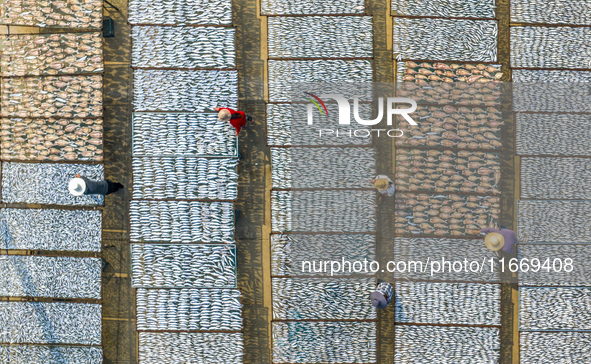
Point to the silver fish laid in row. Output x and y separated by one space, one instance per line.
37 354
552 134
554 308
293 7
445 8
568 12
555 178
566 347
554 221
538 275
181 12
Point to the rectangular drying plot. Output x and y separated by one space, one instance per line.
433 344
59 277
556 178
180 12
188 309
183 47
322 298
46 183
50 323
320 37
554 347
174 348
448 303
555 265
553 134
187 91
323 211
51 54
571 12
183 266
181 221
185 178
464 40
57 230
445 8
323 167
37 354
554 308
341 342
288 251
296 7
53 14
554 221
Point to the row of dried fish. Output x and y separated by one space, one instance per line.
54 14
184 178
550 47
323 211
571 12
446 170
183 266
180 12
50 323
202 348
456 74
57 230
554 221
554 308
286 7
37 354
284 74
445 8
445 215
323 299
549 97
52 97
320 37
192 91
166 134
52 139
548 76
464 40
288 251
181 221
323 167
183 47
436 344
47 183
554 347
448 303
552 267
555 178
188 309
448 126
60 277
341 342
51 54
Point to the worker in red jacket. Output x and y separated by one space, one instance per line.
238 119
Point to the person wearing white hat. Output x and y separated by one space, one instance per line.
83 186
384 185
496 240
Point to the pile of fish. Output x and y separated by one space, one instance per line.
191 91
422 249
188 309
182 134
38 276
177 266
287 7
550 47
573 12
284 74
453 171
52 139
554 221
445 215
554 308
545 76
51 54
435 344
57 230
181 221
323 167
323 211
566 347
448 303
180 12
320 37
37 354
174 348
184 178
58 14
288 251
52 97
556 178
539 275
323 299
552 134
464 40
50 323
47 183
445 8
183 47
341 342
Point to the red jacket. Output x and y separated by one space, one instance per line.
237 123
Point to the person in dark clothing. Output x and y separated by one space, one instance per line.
83 186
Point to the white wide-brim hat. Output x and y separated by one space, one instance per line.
494 241
77 186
